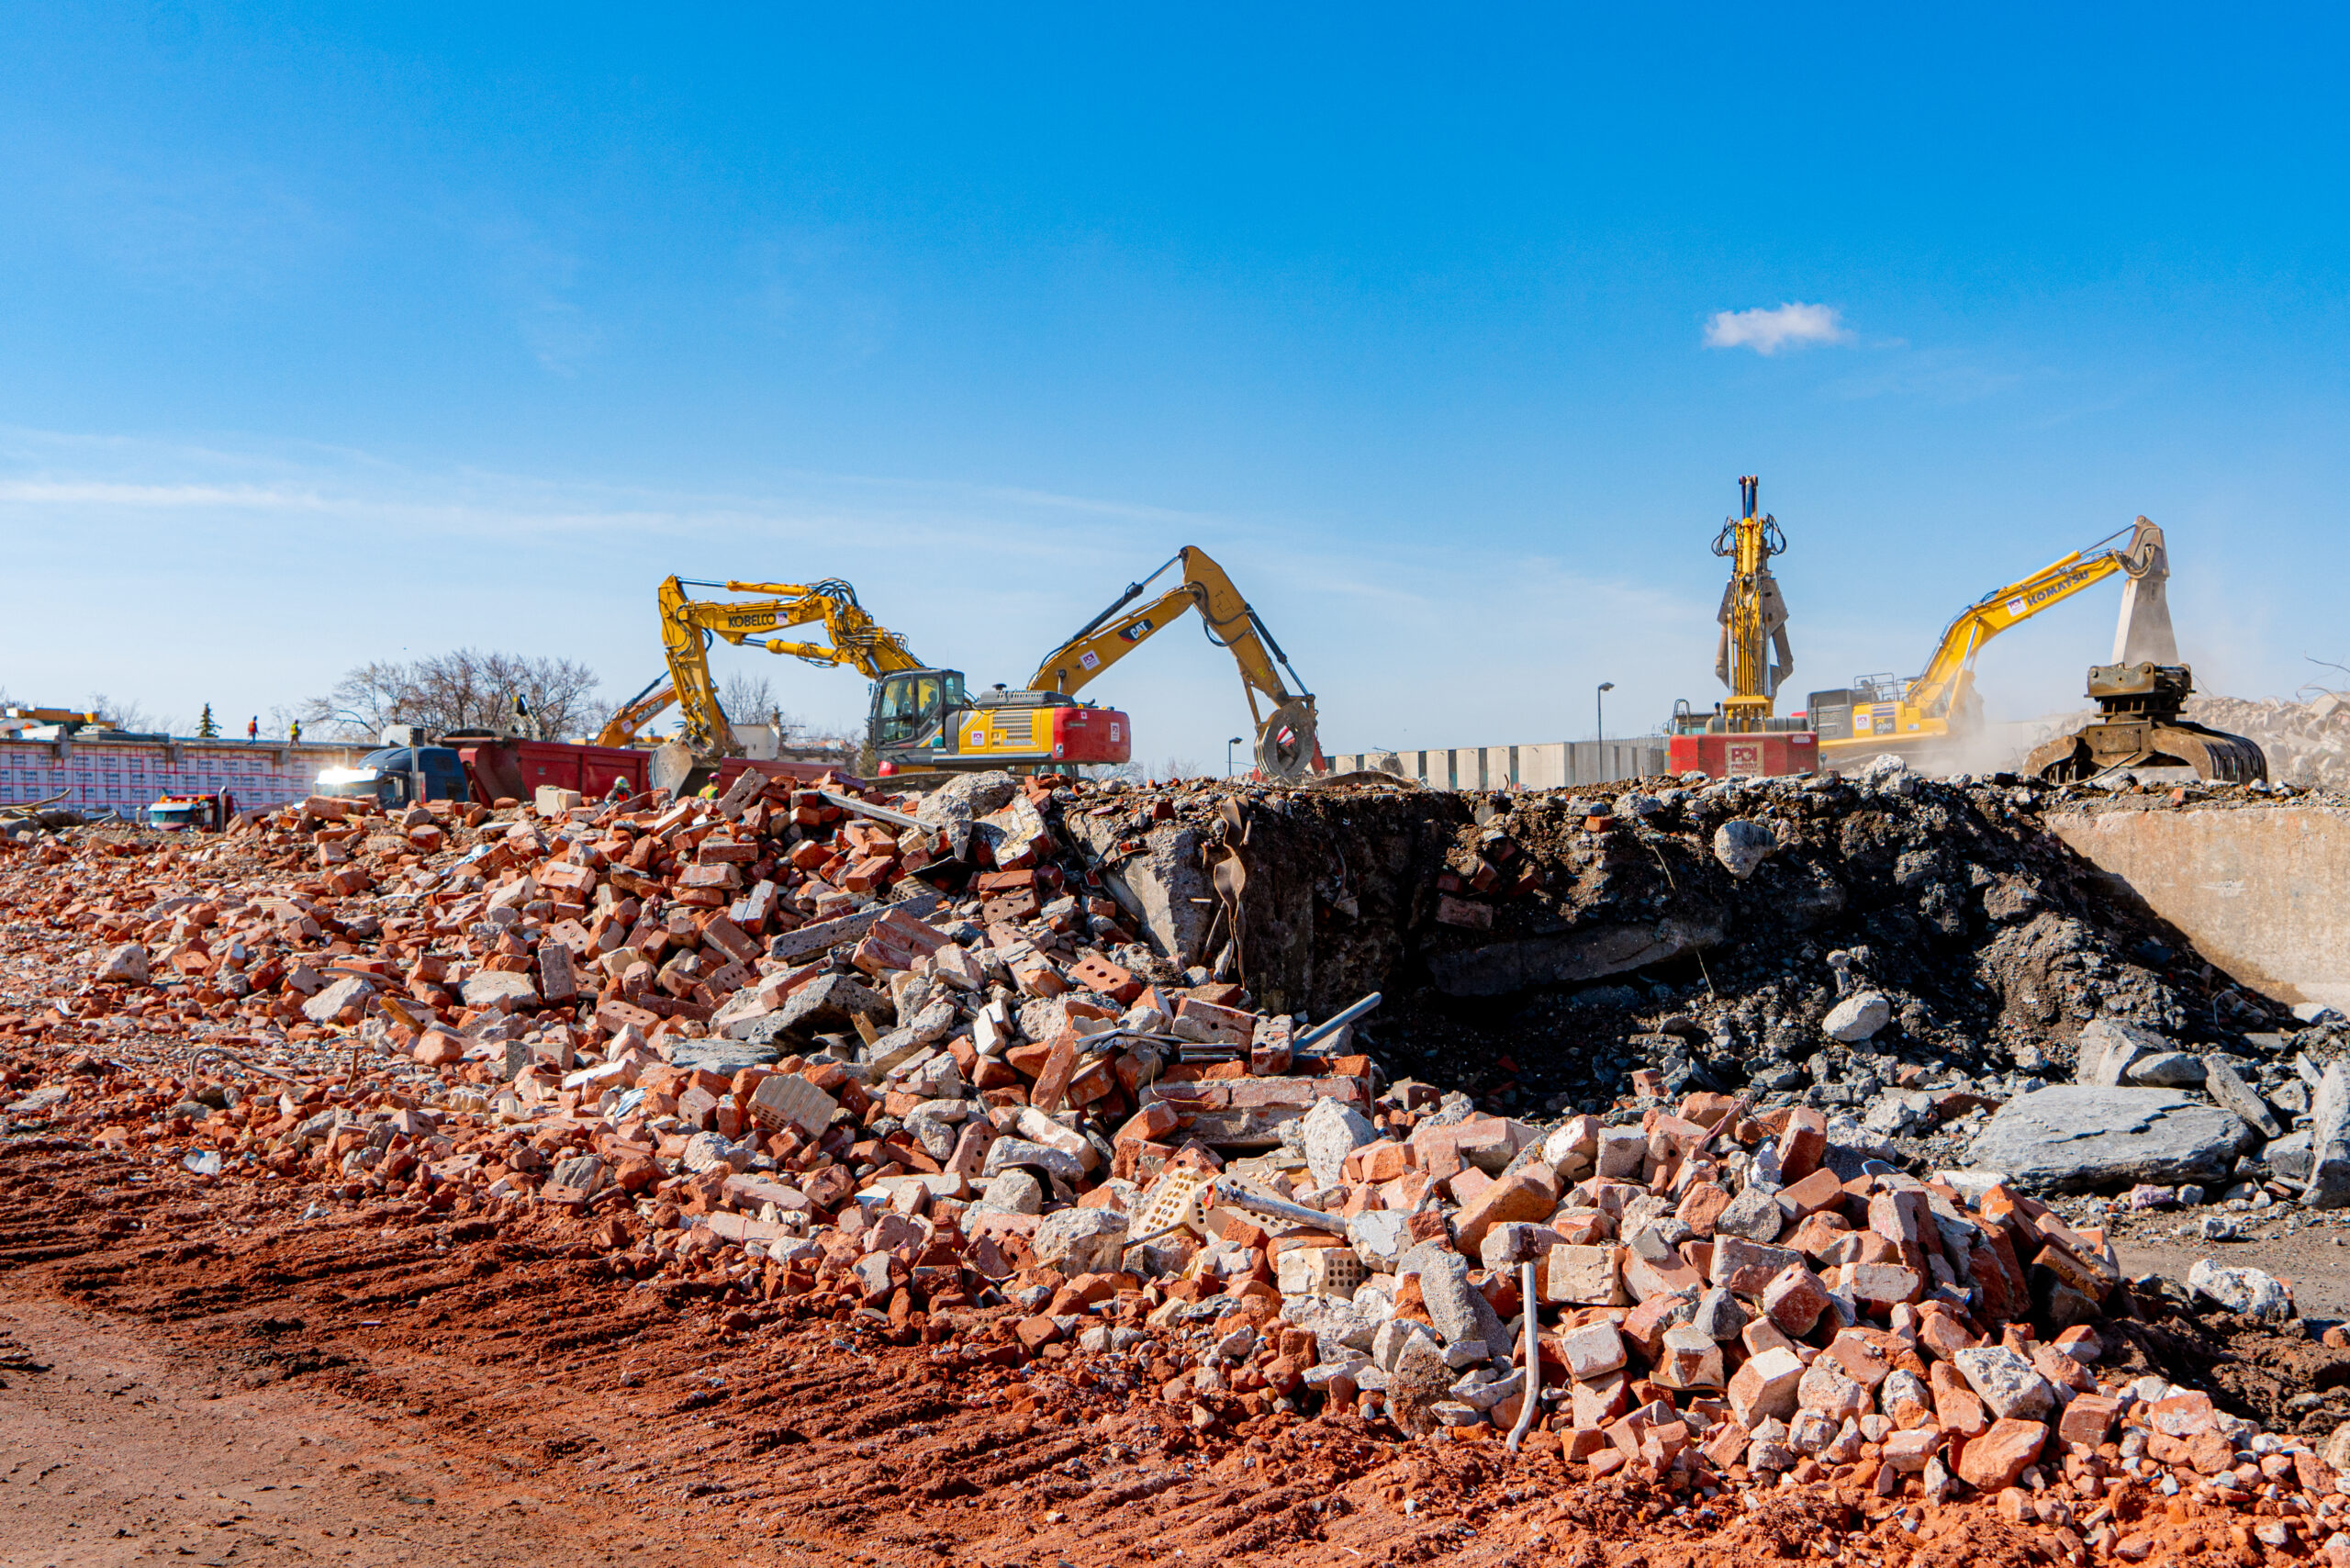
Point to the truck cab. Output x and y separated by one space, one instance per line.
401 775
192 813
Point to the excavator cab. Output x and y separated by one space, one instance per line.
909 706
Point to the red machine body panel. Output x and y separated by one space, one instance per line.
515 769
1750 753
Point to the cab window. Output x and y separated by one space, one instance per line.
908 703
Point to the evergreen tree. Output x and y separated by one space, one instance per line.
205 727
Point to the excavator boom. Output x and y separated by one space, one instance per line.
1287 744
626 724
1941 702
853 638
1952 664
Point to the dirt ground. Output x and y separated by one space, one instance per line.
196 1371
2316 1262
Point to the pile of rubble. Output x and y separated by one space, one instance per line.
2307 743
902 1062
1905 955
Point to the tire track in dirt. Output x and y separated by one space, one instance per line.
511 1347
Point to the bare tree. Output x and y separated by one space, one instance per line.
750 699
466 689
125 715
367 698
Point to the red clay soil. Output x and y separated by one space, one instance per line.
195 1369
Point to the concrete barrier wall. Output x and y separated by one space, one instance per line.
1546 764
2263 892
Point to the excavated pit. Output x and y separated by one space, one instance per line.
1540 948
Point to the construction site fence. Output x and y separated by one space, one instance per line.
1549 765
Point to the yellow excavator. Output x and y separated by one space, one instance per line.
922 718
1928 717
1288 746
853 638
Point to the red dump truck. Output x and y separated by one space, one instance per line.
489 768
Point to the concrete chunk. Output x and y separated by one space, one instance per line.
488 988
2225 1084
2329 1179
2006 1382
125 965
2076 1138
1332 1130
2107 1048
351 990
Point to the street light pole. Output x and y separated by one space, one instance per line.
1599 703
1227 754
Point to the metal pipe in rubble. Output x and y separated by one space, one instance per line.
866 807
1228 1192
1332 1025
1533 1389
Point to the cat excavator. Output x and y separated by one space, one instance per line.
1288 746
923 719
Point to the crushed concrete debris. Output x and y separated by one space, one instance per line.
2307 743
931 1081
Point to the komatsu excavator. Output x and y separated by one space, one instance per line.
2139 694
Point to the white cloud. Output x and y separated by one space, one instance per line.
1768 331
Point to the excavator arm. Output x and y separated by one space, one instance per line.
1949 676
1286 741
623 727
853 638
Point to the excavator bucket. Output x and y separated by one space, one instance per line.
2101 747
1288 746
2139 725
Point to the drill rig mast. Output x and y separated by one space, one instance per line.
1753 617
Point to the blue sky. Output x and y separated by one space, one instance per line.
334 334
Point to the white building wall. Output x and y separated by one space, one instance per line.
1544 765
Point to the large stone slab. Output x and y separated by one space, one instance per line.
2079 1139
721 1056
2263 894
